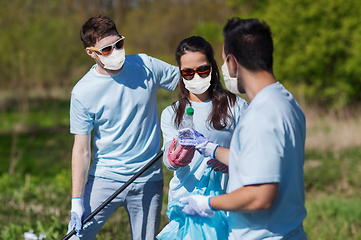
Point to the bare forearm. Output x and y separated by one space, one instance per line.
248 198
80 165
222 154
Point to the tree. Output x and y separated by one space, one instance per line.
317 47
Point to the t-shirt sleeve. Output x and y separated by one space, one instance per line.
166 75
80 120
262 145
167 125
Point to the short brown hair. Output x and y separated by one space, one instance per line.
95 28
250 41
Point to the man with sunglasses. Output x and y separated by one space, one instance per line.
266 195
117 101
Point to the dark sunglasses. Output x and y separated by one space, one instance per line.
106 50
202 71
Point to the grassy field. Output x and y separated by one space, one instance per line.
35 174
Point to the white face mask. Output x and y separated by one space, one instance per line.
197 84
231 83
114 61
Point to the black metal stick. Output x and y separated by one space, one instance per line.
116 193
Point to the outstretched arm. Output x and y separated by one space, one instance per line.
248 198
80 167
222 154
245 199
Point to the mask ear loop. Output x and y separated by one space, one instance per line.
98 60
234 60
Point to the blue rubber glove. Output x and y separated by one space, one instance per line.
77 211
197 206
202 144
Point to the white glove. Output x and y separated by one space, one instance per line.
202 144
77 211
205 146
197 205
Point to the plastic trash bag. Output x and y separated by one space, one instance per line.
183 226
31 236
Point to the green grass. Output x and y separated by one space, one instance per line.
333 191
37 193
333 217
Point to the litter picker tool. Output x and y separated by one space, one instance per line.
116 193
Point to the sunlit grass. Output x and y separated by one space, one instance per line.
333 217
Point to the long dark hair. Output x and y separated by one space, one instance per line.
222 100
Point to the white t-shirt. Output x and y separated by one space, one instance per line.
122 112
185 179
267 147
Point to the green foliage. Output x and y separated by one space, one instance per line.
40 44
11 232
41 49
317 45
160 25
166 98
245 6
209 31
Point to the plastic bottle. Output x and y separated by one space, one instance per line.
187 137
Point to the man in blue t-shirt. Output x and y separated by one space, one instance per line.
266 195
117 101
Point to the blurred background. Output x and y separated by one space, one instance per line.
317 57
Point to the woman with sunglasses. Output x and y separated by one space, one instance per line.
216 114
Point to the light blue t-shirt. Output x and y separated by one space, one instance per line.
122 112
268 146
186 178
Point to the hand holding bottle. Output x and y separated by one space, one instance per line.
180 156
203 145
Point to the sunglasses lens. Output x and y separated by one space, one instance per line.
119 44
203 71
187 73
106 50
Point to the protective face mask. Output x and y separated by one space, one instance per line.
197 84
231 83
114 61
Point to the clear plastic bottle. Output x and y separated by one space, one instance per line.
185 135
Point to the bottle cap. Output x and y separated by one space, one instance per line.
190 111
